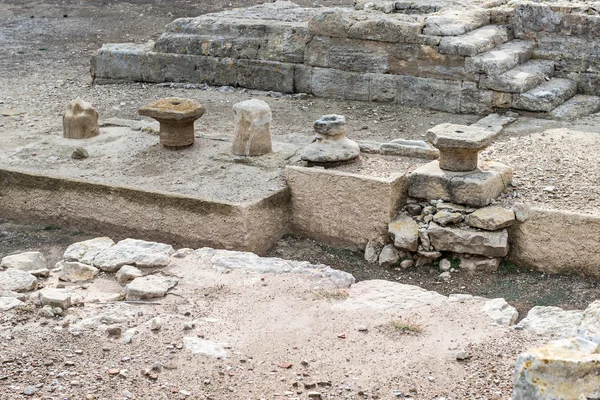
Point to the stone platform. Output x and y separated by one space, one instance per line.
439 56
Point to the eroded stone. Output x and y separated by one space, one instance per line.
80 120
252 135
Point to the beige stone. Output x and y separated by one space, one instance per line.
492 218
343 209
476 264
80 120
405 232
457 240
252 135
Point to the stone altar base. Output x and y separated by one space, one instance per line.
475 188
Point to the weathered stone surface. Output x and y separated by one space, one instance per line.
372 251
133 252
17 280
553 321
434 94
500 312
563 369
456 22
388 256
405 232
119 61
577 106
490 244
521 78
476 264
331 22
397 29
589 328
33 262
336 84
547 96
444 218
86 251
196 345
265 75
383 295
330 143
128 273
409 148
495 122
474 42
477 188
492 218
55 298
73 271
252 135
501 59
8 303
80 120
149 287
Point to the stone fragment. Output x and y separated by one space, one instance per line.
424 239
501 58
7 303
589 328
491 218
135 252
409 148
552 321
47 312
17 280
397 29
444 276
427 258
445 265
33 262
79 153
495 122
331 143
73 271
444 218
156 324
86 251
252 135
388 256
490 244
55 298
405 232
414 209
128 273
183 253
474 42
521 78
149 287
563 369
80 120
372 251
196 345
500 312
176 117
406 264
476 264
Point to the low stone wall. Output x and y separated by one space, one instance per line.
170 218
555 241
343 209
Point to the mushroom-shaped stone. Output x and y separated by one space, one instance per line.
459 145
176 117
80 120
331 143
252 135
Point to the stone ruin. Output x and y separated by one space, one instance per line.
532 57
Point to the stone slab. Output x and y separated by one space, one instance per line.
449 135
460 240
501 59
576 107
456 22
521 78
547 96
474 42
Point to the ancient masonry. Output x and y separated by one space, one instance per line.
535 57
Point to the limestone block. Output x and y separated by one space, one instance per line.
149 287
388 256
80 120
409 148
17 280
252 135
476 101
336 84
476 264
563 369
457 240
433 94
577 106
128 273
8 303
196 345
492 218
55 298
33 262
140 253
85 251
456 22
589 328
396 29
552 321
477 188
372 251
405 232
500 312
73 271
265 75
119 61
330 22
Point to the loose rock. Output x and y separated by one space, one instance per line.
17 280
33 262
77 272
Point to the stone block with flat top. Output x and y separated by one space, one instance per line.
176 117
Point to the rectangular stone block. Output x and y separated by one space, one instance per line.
302 78
266 75
587 83
462 240
431 94
343 209
166 67
396 29
336 84
119 61
384 88
474 100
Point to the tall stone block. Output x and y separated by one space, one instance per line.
80 120
252 136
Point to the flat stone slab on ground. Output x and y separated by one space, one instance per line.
491 218
56 298
135 252
33 262
17 280
86 251
555 321
149 287
577 106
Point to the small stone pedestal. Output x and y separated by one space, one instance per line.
252 136
176 117
331 144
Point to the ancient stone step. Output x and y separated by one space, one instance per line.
501 59
474 42
521 78
456 22
578 106
547 96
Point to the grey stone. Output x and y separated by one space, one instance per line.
372 251
476 264
396 29
405 232
86 251
589 328
433 94
198 346
490 244
500 312
445 276
414 209
156 324
547 96
119 61
491 218
73 271
33 262
8 303
388 256
501 59
424 239
140 253
79 154
47 311
409 148
128 273
17 280
331 22
331 143
444 218
576 107
495 123
252 135
55 298
149 287
474 42
521 78
552 321
456 22
407 264
427 258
